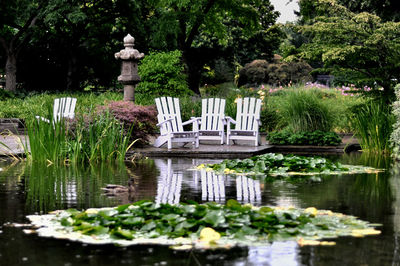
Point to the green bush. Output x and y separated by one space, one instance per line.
162 75
317 138
395 136
274 73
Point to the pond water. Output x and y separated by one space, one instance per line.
33 189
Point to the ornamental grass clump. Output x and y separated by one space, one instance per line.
101 139
372 124
47 140
304 111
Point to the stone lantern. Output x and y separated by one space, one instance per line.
129 71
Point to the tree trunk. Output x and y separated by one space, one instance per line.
193 79
11 72
193 69
71 82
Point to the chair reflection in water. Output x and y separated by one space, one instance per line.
169 184
212 186
248 190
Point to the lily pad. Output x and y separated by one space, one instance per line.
275 165
208 225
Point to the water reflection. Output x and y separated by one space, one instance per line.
26 189
169 184
248 190
212 187
50 187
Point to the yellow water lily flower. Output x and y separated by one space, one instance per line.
208 169
209 235
92 211
327 243
306 242
311 210
201 166
227 170
364 232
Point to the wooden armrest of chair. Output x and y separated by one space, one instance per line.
165 121
191 121
229 120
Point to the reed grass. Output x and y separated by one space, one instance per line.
99 140
372 124
303 111
47 140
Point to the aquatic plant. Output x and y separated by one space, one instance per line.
101 139
199 225
278 164
372 123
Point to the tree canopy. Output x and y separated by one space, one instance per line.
358 47
73 41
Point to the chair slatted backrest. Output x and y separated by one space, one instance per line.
167 108
212 113
248 114
64 108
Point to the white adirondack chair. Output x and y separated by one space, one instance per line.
171 126
212 120
62 108
247 121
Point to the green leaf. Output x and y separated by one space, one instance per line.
215 218
121 233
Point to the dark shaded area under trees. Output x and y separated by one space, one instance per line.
69 45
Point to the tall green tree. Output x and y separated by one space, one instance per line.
182 24
17 21
359 46
388 10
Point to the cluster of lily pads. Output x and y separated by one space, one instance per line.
279 164
196 225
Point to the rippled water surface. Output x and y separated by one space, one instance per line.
34 189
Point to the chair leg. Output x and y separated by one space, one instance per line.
169 144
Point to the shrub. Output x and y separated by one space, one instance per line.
141 120
317 138
395 136
219 72
274 73
162 74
